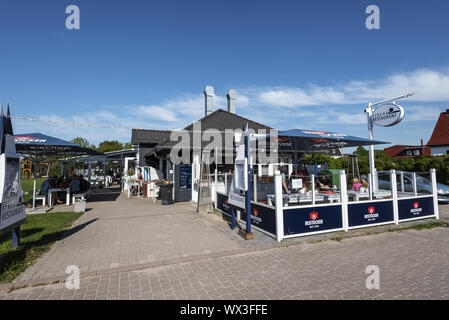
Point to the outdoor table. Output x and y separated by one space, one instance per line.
332 197
51 190
378 194
301 198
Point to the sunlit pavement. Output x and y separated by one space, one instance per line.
412 265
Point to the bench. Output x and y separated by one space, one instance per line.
43 198
82 195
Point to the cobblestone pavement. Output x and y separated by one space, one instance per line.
413 265
117 233
444 211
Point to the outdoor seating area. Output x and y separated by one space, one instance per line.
54 190
289 206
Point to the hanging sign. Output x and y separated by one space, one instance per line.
388 115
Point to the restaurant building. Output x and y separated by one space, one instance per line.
153 147
407 151
439 141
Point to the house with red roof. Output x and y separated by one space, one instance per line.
439 141
407 151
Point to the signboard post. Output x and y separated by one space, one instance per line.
386 114
12 209
240 192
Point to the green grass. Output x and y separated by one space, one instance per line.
27 186
38 233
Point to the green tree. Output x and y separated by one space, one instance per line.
107 146
361 152
127 145
83 142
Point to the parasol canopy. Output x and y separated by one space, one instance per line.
38 146
44 145
317 141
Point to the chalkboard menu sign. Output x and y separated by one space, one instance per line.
185 176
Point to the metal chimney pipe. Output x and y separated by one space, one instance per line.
232 97
208 100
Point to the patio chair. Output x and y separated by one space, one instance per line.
153 191
133 189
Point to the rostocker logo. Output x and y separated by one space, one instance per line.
255 212
416 209
28 139
314 221
372 214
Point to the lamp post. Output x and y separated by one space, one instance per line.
369 116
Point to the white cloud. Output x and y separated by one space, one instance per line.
157 112
422 113
428 85
294 107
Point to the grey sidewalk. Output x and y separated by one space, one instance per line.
413 265
119 234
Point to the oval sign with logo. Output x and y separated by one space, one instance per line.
388 115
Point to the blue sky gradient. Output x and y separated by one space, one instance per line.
294 64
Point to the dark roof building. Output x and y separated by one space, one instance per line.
406 151
148 136
439 141
154 146
220 120
146 140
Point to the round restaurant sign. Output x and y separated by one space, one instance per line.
388 115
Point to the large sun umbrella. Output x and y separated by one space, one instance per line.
38 146
317 141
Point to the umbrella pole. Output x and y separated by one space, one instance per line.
34 182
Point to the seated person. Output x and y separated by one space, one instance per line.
44 186
324 183
356 184
63 184
84 184
284 171
364 183
53 185
74 185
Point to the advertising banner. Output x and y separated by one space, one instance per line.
12 209
222 203
312 219
262 217
360 214
415 208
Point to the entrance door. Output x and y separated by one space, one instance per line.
183 185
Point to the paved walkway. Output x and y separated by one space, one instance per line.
117 233
412 265
444 211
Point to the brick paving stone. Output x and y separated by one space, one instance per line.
413 265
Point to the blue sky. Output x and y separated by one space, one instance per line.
294 64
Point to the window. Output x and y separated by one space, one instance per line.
416 152
408 152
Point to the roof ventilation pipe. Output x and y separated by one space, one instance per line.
232 97
208 100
